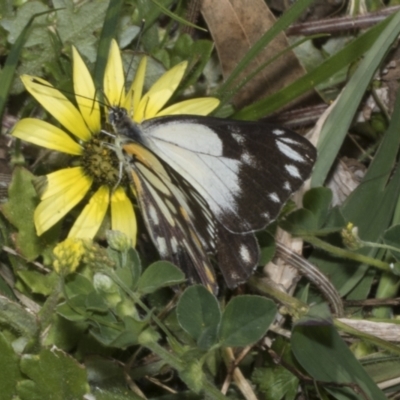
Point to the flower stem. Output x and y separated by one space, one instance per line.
380 246
337 251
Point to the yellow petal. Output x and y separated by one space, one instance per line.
91 217
201 106
46 135
114 80
57 105
123 217
85 93
53 208
154 100
135 92
60 181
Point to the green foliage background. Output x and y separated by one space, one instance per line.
115 329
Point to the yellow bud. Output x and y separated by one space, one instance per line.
68 255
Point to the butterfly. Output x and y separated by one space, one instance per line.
205 185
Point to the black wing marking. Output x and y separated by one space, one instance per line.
180 226
248 173
237 254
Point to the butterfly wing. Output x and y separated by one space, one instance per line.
237 255
178 220
205 185
245 171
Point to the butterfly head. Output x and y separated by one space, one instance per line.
123 125
116 115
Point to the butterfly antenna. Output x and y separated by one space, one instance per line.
74 94
106 102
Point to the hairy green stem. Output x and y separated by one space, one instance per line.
337 251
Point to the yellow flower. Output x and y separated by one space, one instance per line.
97 173
68 255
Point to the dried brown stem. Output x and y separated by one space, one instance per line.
341 24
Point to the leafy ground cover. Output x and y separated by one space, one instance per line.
85 319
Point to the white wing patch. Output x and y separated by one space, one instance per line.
293 171
274 197
153 215
289 152
244 253
153 179
289 141
238 137
193 137
287 186
248 159
162 246
161 204
215 177
174 244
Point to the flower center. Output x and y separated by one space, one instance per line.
100 162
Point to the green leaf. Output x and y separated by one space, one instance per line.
96 302
381 367
199 315
19 210
107 379
351 53
158 275
9 69
6 290
78 284
318 347
9 366
70 313
119 393
106 335
108 32
53 375
267 247
106 319
334 220
198 54
77 304
126 276
121 336
18 318
128 266
29 38
316 217
392 238
39 283
284 383
340 118
78 24
276 382
299 222
245 320
318 201
370 207
64 334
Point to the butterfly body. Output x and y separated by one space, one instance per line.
205 185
